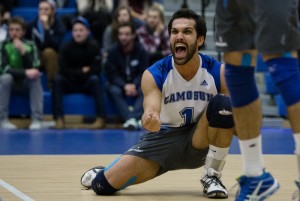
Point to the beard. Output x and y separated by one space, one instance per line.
190 51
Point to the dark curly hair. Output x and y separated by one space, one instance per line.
189 14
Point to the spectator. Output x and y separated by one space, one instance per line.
19 70
98 13
126 62
138 8
3 25
154 35
79 67
7 6
47 31
121 15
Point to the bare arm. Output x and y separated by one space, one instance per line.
152 103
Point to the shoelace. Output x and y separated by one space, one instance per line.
249 197
208 180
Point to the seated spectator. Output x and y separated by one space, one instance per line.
8 6
138 7
79 67
126 62
47 31
154 35
3 25
19 72
98 13
121 15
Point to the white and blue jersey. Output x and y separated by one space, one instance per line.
184 101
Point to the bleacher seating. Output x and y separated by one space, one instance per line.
80 104
35 3
30 13
28 3
73 104
77 103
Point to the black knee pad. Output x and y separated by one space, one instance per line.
101 186
219 112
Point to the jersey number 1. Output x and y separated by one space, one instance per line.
188 115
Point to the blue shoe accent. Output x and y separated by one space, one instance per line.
256 188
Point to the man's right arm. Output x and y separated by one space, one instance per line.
152 103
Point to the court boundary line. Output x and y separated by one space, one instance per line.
15 191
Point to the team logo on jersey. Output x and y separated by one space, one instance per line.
204 83
187 95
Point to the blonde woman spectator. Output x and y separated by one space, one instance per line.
121 15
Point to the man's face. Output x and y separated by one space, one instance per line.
80 33
153 19
125 36
15 31
46 9
184 41
123 16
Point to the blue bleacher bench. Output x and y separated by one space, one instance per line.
30 13
76 103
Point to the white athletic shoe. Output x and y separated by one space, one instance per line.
89 176
6 124
131 124
36 125
212 185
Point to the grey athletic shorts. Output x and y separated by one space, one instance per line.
171 148
271 26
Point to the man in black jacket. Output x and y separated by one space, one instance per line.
126 62
79 67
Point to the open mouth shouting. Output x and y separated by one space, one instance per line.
180 51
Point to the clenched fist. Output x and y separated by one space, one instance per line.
151 122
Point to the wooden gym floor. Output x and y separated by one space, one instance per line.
56 177
47 165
